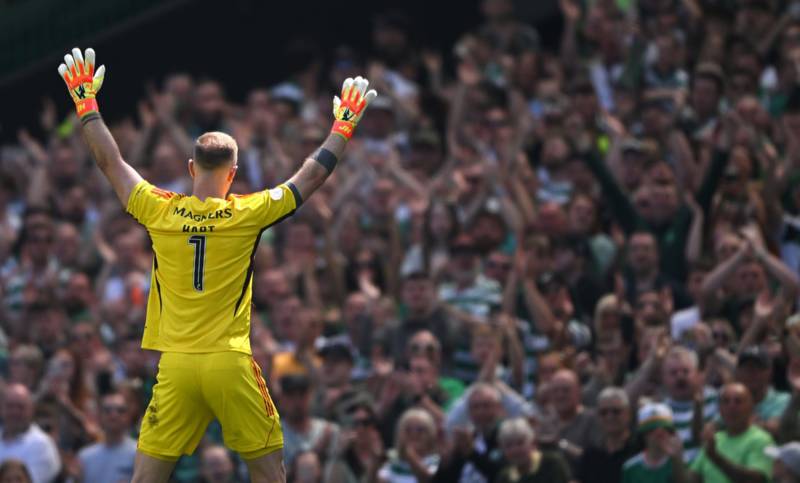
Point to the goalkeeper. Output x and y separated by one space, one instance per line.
198 311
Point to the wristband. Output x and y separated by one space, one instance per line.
89 116
87 106
326 158
343 128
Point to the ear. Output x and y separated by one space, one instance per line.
232 173
191 167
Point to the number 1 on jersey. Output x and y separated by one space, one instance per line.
199 242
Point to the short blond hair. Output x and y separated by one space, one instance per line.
215 149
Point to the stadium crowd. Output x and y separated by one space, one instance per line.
532 265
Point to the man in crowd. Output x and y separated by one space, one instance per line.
477 457
754 371
603 462
301 430
111 459
23 440
692 403
736 453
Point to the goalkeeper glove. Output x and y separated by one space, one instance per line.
82 81
348 110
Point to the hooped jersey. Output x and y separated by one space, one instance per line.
201 283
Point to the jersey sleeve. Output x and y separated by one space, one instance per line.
279 203
147 202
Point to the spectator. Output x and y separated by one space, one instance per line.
662 458
25 366
14 471
23 440
692 404
526 462
337 391
737 452
747 271
215 465
301 431
601 463
306 469
577 425
644 274
111 459
477 456
786 462
754 371
414 456
470 291
424 312
361 449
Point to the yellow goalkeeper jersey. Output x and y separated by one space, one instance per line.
201 283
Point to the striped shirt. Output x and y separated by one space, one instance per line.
682 416
479 299
399 471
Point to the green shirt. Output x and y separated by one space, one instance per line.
453 388
773 405
636 470
746 449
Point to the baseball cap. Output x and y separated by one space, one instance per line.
337 349
710 70
295 383
755 354
287 92
425 137
789 454
382 102
653 416
632 145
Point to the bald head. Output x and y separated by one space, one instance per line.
215 150
566 391
17 409
736 390
483 405
735 407
216 464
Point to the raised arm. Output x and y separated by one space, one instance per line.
347 111
83 83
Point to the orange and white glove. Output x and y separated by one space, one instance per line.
83 81
348 110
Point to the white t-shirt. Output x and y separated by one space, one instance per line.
36 450
684 320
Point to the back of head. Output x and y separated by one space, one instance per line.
14 470
215 150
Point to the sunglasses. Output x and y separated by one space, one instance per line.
609 411
363 422
417 347
115 409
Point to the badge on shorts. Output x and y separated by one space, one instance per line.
276 194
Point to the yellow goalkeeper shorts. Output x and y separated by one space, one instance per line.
194 389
